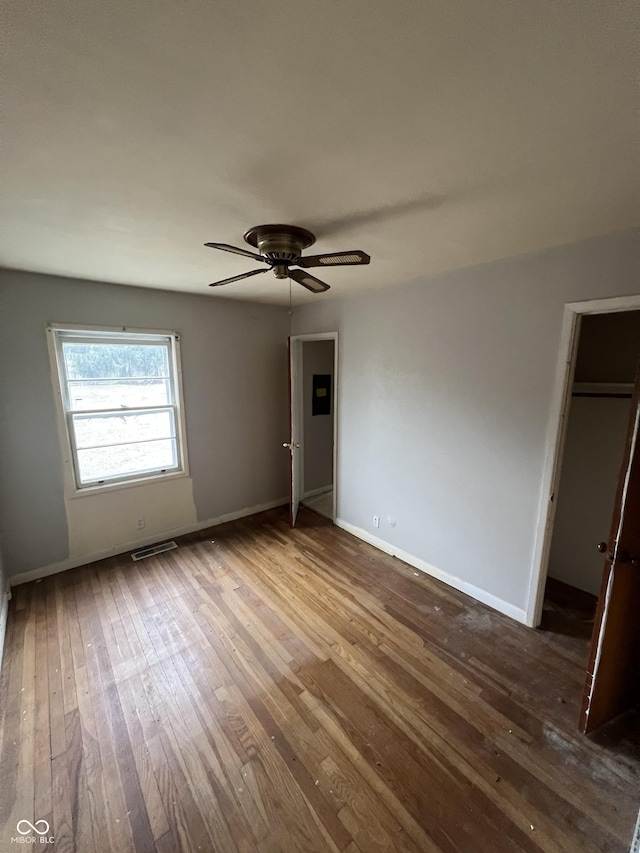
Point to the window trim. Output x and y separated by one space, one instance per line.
90 334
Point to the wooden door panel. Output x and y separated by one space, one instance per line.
613 674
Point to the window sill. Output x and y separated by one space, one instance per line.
103 488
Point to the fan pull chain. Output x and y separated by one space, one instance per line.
290 310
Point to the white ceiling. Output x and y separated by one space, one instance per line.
433 134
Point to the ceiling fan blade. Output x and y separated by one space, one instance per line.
236 250
334 259
309 281
237 277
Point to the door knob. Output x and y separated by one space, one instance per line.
602 547
622 557
289 445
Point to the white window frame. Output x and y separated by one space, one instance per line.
57 333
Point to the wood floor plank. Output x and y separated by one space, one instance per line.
82 826
295 691
67 676
336 734
181 734
56 691
96 797
62 823
43 805
26 761
11 722
118 827
143 763
367 819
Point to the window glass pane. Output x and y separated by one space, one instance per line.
103 463
116 394
100 430
115 360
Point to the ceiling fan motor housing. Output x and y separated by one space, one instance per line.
281 245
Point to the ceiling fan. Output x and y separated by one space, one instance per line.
280 247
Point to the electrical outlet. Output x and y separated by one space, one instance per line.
140 523
376 521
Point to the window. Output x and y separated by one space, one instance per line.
120 397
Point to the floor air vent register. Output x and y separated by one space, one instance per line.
153 550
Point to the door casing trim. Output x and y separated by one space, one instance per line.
556 434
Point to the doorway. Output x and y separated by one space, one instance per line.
318 410
313 444
595 495
597 420
574 315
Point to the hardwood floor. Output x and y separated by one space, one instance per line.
268 690
568 610
322 503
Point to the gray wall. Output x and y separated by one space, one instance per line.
317 357
445 394
234 379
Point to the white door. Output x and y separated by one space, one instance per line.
293 445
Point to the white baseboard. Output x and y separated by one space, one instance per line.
72 563
122 548
4 611
312 492
417 563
